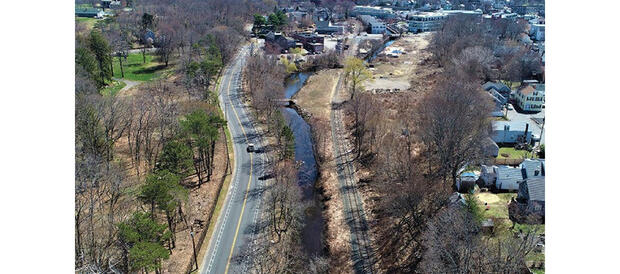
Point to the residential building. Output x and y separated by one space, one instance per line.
466 182
426 21
511 132
498 109
490 148
537 32
379 12
530 97
531 196
374 25
510 178
500 88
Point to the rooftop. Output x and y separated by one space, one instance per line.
536 188
514 125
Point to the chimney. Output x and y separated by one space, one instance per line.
527 125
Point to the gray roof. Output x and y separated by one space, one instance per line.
531 165
509 173
514 125
497 86
536 188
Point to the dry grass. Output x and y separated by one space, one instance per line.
315 96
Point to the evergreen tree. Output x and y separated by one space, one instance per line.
102 53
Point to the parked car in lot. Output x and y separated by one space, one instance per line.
250 148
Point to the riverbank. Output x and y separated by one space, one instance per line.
314 101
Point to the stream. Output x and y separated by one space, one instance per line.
312 233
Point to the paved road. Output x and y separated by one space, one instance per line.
353 207
235 226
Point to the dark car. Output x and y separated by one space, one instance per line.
267 175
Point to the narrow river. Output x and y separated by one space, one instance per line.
312 235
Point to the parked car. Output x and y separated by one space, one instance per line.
509 107
250 148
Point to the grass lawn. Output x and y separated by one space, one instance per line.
514 154
113 88
135 70
90 22
498 204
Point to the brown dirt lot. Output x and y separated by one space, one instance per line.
412 70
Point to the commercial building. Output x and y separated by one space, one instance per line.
374 25
426 21
378 12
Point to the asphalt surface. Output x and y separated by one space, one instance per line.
235 226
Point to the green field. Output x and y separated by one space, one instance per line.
135 70
90 22
515 154
113 88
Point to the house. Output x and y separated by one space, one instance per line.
537 32
466 182
529 207
425 21
374 26
490 148
498 87
501 177
499 106
534 168
89 12
532 195
511 132
510 178
530 97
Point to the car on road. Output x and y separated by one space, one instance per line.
250 148
510 107
266 176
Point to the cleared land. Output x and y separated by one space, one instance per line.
409 68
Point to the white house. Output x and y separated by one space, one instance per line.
509 132
531 97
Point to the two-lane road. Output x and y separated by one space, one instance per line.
235 225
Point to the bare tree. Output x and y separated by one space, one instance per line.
453 122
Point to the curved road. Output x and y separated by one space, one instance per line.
235 226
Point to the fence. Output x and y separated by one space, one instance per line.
506 161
